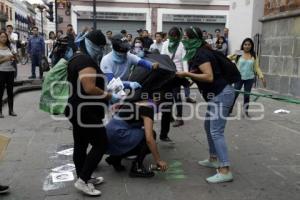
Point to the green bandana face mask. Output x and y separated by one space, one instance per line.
173 44
191 46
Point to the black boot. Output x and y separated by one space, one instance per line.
138 170
1 114
116 163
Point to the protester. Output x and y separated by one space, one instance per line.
119 62
175 50
158 44
248 66
138 47
219 95
6 73
147 40
221 45
81 35
87 119
130 132
36 49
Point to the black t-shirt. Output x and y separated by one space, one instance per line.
78 63
147 42
133 113
208 90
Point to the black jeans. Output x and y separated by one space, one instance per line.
7 81
247 88
178 82
86 163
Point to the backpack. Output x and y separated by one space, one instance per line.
55 88
229 70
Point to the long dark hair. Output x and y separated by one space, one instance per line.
7 41
218 40
195 32
252 52
175 32
140 39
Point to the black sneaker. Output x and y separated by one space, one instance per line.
140 171
115 163
166 139
32 77
3 189
1 115
178 122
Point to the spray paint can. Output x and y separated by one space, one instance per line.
154 168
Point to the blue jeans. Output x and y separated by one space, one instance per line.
36 61
215 121
187 91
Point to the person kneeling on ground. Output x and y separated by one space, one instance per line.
130 132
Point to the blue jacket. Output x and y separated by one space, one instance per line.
36 45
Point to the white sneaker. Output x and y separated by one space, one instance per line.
88 189
96 180
207 163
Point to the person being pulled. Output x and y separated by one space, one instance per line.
118 63
130 132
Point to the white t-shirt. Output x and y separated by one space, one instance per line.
108 66
6 66
181 65
157 46
13 39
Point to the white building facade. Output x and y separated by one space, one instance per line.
153 15
243 21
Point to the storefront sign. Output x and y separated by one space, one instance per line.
194 18
112 16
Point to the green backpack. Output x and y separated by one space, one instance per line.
55 89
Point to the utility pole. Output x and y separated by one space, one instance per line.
41 8
94 15
56 22
42 22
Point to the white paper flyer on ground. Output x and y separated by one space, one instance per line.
62 177
64 168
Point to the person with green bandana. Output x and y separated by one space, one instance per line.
206 73
175 50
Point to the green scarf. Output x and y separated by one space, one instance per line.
191 46
173 44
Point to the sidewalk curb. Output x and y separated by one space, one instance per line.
21 86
